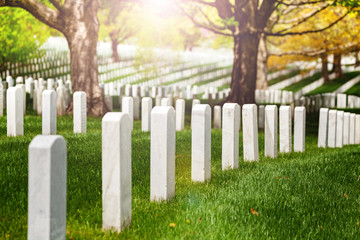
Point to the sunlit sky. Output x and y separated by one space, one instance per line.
162 8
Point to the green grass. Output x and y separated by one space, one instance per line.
354 90
334 84
283 77
301 84
296 196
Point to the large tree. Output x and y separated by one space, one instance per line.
77 20
245 21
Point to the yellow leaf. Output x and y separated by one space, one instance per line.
172 225
345 195
187 221
254 212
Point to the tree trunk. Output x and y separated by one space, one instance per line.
114 45
243 79
357 62
82 35
337 65
261 79
324 68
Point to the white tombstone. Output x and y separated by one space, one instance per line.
47 188
194 102
127 107
261 116
23 92
50 84
60 101
285 129
299 129
180 114
357 129
339 128
39 93
332 129
116 171
136 104
230 136
346 133
217 117
158 100
162 162
271 126
165 102
341 100
146 107
49 112
15 117
250 132
79 112
323 127
10 81
352 128
201 143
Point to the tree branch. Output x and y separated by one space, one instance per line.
56 4
304 19
192 18
300 3
279 34
43 13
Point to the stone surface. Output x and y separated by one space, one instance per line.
162 160
271 133
136 102
60 101
323 127
127 107
332 129
47 188
194 102
217 117
49 112
165 102
230 136
352 128
346 133
357 129
50 84
23 92
341 100
146 107
299 129
15 117
250 132
39 92
109 102
79 112
201 143
180 114
158 100
116 171
261 116
285 130
339 128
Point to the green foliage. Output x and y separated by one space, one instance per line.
20 34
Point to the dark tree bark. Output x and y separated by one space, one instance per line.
243 80
357 61
77 20
324 68
115 54
337 65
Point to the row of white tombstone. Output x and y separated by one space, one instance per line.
338 128
15 112
47 161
